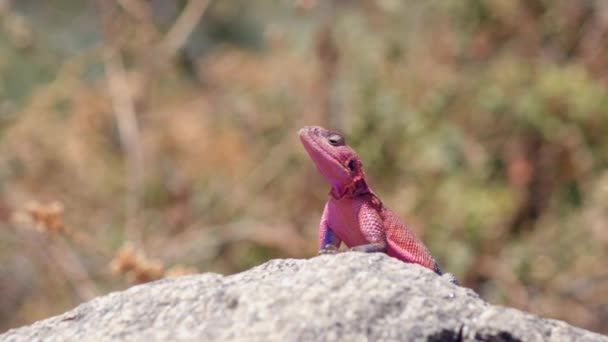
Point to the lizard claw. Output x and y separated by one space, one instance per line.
451 278
328 249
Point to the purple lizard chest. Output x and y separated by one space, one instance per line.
343 219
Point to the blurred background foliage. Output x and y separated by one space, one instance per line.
151 138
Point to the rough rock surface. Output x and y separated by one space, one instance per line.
343 297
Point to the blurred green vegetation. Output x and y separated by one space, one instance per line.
482 123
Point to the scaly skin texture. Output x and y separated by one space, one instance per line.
354 214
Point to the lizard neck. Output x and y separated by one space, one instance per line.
357 187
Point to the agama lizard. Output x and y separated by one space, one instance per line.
354 214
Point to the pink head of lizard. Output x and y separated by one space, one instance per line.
336 161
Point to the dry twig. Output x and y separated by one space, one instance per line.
125 113
183 27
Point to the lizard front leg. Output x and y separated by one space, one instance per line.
329 242
372 228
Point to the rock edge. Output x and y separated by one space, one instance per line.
343 297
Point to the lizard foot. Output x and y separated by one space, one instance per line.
370 248
328 249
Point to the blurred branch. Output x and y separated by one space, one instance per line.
183 27
121 95
581 288
15 26
60 258
124 111
136 8
73 269
126 120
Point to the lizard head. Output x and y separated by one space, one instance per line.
336 161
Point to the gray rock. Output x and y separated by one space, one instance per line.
343 297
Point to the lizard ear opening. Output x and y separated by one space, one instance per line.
352 164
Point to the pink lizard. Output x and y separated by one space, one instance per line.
354 214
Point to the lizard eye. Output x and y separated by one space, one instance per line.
352 165
336 140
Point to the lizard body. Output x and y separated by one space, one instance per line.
354 214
